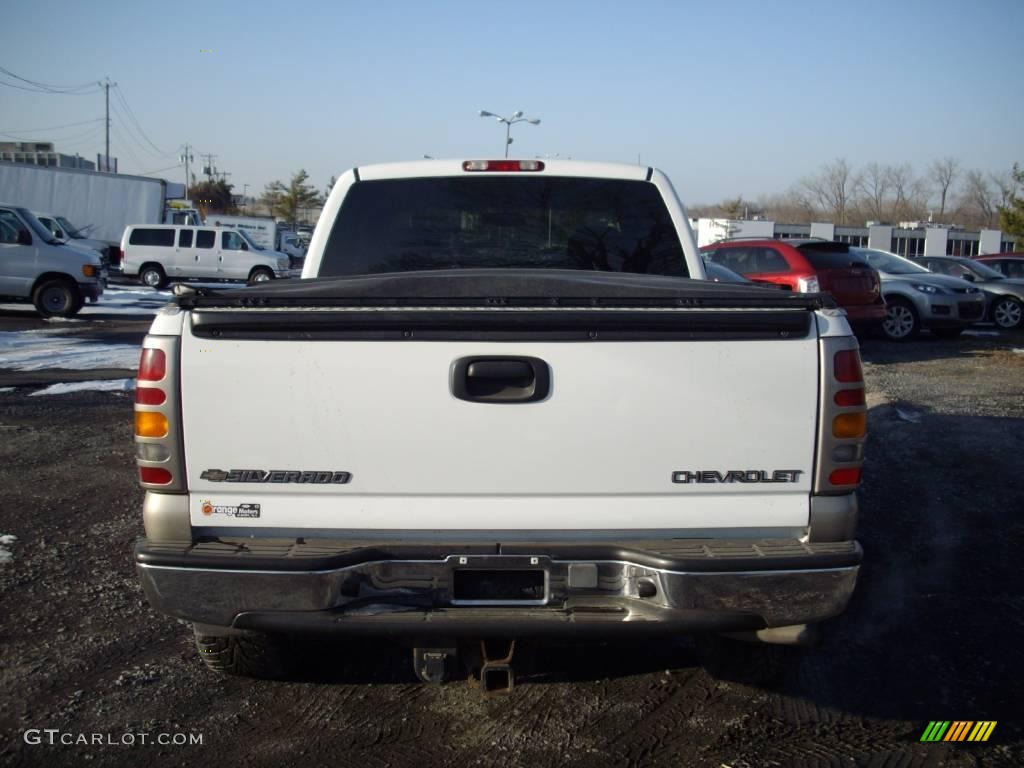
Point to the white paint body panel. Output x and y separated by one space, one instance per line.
598 453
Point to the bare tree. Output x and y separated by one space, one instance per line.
943 173
978 202
910 194
1006 185
832 189
873 185
790 207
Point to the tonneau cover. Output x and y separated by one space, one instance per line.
517 287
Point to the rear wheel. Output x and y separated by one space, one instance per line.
901 321
248 655
153 276
260 275
1007 313
57 297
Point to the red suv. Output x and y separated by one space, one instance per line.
807 266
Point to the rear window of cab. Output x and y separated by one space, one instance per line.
399 225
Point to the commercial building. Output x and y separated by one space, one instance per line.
923 240
41 153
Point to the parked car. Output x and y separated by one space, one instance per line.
916 298
63 229
36 267
1005 295
156 253
719 274
1009 264
808 266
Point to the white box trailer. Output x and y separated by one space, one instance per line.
99 204
262 231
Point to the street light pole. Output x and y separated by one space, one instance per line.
517 117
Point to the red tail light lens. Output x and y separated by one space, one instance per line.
152 365
154 475
511 166
150 396
849 397
846 365
847 476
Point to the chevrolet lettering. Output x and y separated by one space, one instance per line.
274 476
738 476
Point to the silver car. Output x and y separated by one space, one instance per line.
1005 294
916 298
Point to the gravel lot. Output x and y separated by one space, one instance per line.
933 631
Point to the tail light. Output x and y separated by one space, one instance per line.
808 284
116 256
842 419
159 451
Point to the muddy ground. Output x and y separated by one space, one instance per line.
934 630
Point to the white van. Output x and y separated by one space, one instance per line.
37 267
156 254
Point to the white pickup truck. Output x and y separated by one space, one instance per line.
515 409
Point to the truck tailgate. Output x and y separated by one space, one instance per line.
600 452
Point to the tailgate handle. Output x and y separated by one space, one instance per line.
500 379
499 369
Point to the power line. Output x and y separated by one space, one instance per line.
53 127
119 92
127 147
159 170
38 87
52 139
131 135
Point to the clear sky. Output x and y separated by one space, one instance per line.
727 98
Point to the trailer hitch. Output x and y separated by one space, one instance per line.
496 675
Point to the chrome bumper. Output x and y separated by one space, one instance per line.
585 595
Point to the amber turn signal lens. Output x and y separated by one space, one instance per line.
850 425
150 424
89 270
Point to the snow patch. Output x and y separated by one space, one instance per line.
103 385
43 349
6 389
970 332
6 540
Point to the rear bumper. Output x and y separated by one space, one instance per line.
628 589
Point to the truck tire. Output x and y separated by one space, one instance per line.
57 297
901 321
152 275
260 275
248 655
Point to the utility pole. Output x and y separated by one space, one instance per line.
208 168
187 158
106 87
